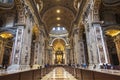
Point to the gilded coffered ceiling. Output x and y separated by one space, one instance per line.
56 13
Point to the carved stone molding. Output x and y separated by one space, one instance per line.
6 5
111 2
77 4
96 10
21 12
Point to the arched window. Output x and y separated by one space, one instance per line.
58 30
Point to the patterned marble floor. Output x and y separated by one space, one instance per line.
59 73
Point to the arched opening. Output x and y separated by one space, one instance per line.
6 44
59 30
33 41
59 51
113 43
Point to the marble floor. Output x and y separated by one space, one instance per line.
59 73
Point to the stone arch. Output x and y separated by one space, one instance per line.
112 38
51 44
49 17
7 38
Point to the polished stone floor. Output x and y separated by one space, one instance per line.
58 73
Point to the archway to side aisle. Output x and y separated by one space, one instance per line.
112 36
6 45
59 48
34 46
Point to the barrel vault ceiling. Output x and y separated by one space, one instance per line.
56 13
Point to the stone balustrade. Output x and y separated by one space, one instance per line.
93 74
30 74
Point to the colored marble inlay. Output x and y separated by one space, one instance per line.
59 73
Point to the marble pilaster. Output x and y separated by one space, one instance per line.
91 43
20 58
100 44
17 49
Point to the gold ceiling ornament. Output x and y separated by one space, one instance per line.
35 29
112 32
6 35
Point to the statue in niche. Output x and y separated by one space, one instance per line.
76 4
40 5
